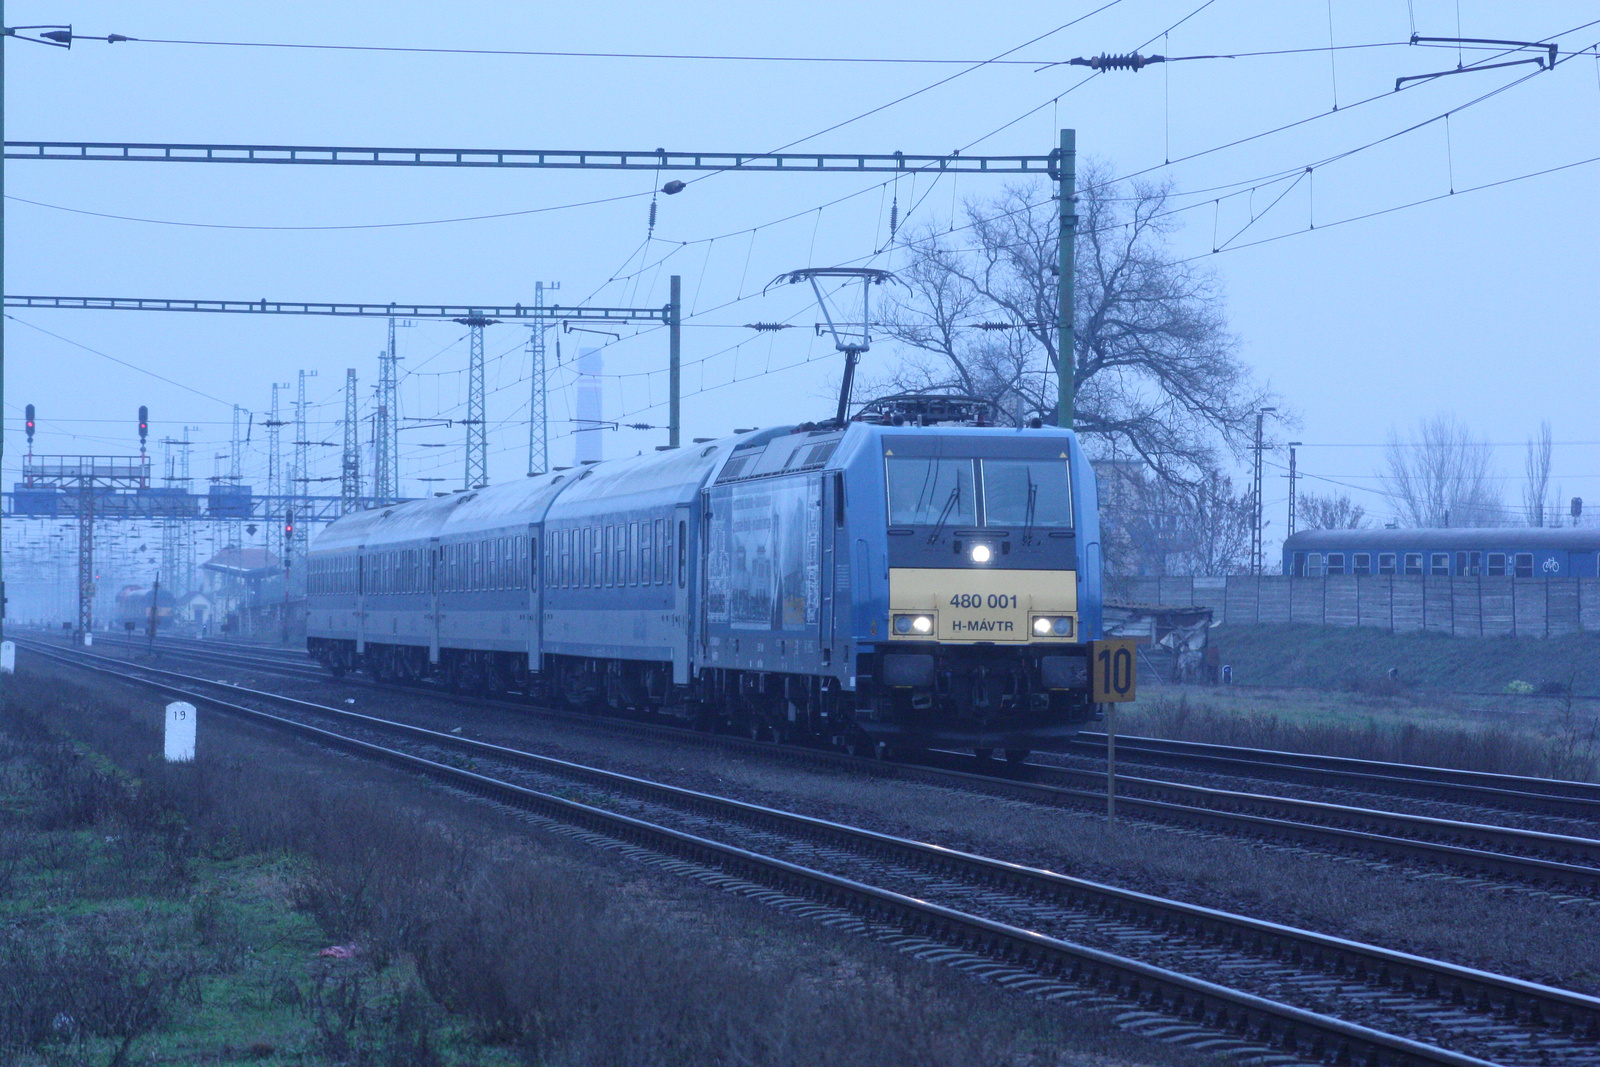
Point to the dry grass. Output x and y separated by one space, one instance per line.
526 948
1558 738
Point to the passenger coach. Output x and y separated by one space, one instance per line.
909 579
1492 552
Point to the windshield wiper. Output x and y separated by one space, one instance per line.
955 497
1033 499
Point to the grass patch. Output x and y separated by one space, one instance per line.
174 914
1562 742
1357 659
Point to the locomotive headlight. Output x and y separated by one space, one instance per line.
1041 626
981 554
913 624
1052 626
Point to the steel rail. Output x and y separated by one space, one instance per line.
1276 1023
1421 828
1586 795
1339 827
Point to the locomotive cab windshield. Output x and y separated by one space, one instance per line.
1026 493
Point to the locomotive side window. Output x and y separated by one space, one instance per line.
838 499
1026 492
1335 563
924 491
1362 563
1440 564
1413 562
1524 564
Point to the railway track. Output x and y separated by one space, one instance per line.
1175 967
1511 792
1569 862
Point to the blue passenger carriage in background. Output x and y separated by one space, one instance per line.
1495 552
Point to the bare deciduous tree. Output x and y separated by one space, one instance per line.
1536 493
1329 512
1157 372
1154 526
1443 476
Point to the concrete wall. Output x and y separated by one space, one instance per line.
1462 607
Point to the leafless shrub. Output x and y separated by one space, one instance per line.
113 976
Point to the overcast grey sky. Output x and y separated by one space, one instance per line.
1482 303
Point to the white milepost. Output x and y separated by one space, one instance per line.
8 657
180 732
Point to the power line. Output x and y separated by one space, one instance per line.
123 362
349 226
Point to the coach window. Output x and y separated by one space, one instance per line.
1413 562
1362 563
1314 565
1297 569
1524 564
1386 563
1335 562
1469 564
1439 564
1497 565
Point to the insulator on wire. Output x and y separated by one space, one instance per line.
652 213
894 215
1103 61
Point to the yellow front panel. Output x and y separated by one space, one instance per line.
980 604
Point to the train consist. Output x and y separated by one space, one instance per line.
912 578
132 609
1491 552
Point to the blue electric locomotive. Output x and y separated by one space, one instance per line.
912 578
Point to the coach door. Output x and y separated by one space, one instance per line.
435 580
832 530
533 603
683 600
361 600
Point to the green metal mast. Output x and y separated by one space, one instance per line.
1066 335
